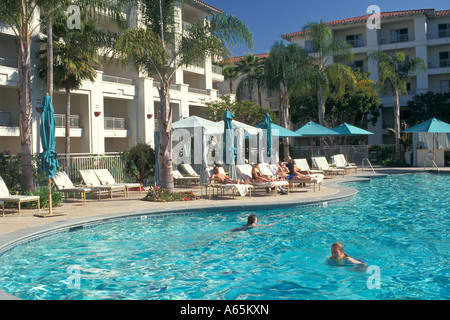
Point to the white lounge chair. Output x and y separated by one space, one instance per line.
64 184
340 162
189 170
316 178
322 164
7 197
91 180
211 186
177 177
303 165
106 178
245 172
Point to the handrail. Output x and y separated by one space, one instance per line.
429 157
368 161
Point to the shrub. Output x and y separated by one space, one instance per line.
159 194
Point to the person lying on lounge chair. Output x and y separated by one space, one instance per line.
258 176
221 177
293 172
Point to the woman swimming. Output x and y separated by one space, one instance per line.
251 223
339 257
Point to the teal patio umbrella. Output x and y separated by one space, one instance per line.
229 150
312 129
432 125
346 129
48 158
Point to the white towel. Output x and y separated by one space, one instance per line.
241 188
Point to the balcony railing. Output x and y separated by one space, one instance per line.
198 91
396 39
216 69
112 123
356 43
439 34
114 79
443 63
60 121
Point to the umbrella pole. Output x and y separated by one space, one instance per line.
49 196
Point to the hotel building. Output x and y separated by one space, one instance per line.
118 109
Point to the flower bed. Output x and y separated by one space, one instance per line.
159 194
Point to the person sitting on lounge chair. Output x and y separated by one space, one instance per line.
258 176
221 177
283 171
293 172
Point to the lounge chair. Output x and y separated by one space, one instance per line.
221 188
106 178
271 171
189 170
340 162
91 180
322 164
177 176
303 165
245 172
64 184
294 183
7 197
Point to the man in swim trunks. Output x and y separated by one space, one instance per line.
294 171
221 177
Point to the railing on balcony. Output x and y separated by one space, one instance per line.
60 121
439 34
356 43
8 63
443 63
112 123
198 91
9 119
172 86
115 79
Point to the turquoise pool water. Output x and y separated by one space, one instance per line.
398 225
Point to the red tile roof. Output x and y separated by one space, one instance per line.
237 59
382 15
208 5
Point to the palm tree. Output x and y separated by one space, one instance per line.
394 72
18 15
250 68
285 72
159 49
230 74
324 47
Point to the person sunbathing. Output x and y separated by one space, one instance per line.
293 172
221 177
257 176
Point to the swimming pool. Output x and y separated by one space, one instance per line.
398 224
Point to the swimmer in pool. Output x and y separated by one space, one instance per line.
339 257
251 223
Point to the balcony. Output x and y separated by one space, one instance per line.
112 123
60 121
8 63
9 119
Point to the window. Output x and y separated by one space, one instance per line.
356 40
309 46
399 35
444 30
445 86
444 61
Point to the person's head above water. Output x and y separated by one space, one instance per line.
251 219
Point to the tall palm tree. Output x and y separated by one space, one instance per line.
230 73
158 49
324 49
394 72
250 68
19 16
285 70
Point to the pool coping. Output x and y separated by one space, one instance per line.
22 236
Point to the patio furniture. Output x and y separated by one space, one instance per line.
221 188
340 163
245 172
303 165
7 197
106 178
322 164
177 176
90 179
64 184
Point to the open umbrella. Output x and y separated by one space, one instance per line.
430 126
312 129
346 129
49 158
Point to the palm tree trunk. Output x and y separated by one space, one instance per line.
67 139
398 156
286 123
24 73
165 125
231 86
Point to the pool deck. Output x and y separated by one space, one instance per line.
21 228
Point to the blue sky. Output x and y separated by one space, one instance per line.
269 19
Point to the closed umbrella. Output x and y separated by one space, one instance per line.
346 129
49 158
230 151
312 129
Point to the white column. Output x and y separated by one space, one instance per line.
145 110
